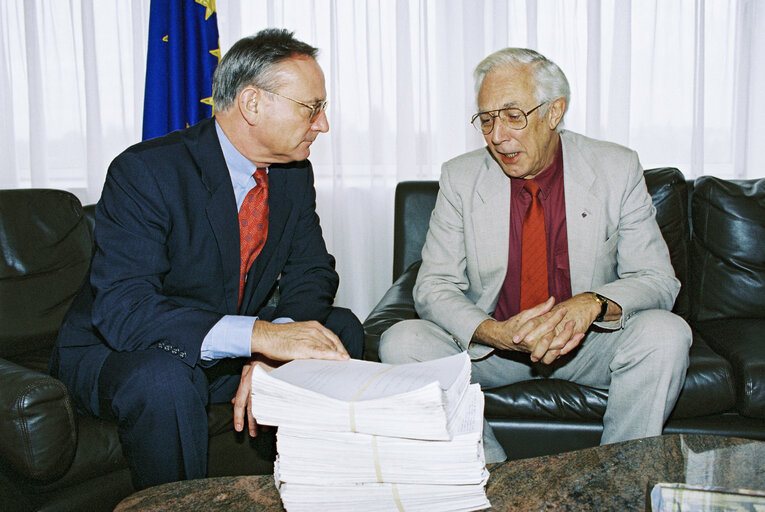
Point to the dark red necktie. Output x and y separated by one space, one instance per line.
253 225
533 252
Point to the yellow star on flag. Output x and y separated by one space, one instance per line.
209 7
208 101
216 52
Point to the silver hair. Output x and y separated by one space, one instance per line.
550 81
250 62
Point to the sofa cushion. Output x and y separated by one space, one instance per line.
728 249
396 305
742 342
707 390
708 387
46 246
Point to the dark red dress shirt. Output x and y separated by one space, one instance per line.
553 199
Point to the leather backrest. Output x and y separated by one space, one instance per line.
728 248
46 247
669 193
414 203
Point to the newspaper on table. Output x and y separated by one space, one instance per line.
359 435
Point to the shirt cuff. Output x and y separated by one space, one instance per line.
229 337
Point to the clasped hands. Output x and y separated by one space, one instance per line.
546 331
273 344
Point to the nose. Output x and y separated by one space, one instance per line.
321 123
500 133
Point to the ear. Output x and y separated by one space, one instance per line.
247 101
555 112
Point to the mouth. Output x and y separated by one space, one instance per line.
509 158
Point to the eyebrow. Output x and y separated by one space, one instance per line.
510 104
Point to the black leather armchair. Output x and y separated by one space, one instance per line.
51 457
715 230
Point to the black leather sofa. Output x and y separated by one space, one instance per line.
715 230
51 457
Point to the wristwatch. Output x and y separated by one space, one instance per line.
603 306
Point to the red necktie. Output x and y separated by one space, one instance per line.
253 225
533 252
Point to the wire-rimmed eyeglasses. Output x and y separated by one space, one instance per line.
512 117
316 109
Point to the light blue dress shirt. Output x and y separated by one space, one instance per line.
230 337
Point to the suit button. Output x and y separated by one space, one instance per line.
183 355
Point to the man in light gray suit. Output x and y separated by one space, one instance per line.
544 259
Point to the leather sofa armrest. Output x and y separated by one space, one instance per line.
37 423
396 305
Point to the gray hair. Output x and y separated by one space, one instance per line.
550 81
250 62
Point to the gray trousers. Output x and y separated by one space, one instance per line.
642 366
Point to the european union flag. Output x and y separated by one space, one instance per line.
182 56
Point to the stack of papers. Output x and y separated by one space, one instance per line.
358 435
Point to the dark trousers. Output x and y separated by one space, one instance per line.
159 403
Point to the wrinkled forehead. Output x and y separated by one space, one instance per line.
507 86
302 78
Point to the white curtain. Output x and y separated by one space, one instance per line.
682 82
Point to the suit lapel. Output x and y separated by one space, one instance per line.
583 215
491 218
203 144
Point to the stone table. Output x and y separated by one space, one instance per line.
612 477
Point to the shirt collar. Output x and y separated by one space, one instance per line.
240 169
549 175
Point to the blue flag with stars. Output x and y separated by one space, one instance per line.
182 56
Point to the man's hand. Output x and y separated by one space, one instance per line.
535 323
272 344
241 400
581 311
296 340
541 331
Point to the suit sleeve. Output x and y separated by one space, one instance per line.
131 310
308 280
646 279
442 283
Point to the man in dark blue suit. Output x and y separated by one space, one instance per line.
169 320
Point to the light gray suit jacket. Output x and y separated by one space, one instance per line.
614 244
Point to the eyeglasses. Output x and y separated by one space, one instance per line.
316 109
511 117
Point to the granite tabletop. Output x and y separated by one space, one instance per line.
612 477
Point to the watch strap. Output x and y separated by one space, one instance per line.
603 306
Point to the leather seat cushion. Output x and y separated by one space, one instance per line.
747 357
707 391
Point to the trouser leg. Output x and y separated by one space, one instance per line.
414 341
643 367
346 326
159 405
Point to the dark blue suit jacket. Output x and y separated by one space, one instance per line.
166 261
